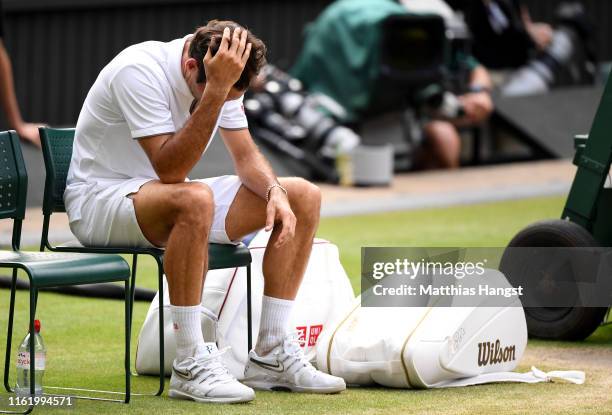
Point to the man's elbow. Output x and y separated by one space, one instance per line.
168 179
168 176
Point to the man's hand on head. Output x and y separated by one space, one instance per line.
223 69
279 212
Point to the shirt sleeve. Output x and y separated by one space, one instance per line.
233 116
141 100
464 61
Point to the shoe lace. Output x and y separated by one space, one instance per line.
211 368
292 349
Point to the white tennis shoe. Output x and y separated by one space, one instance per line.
286 368
204 378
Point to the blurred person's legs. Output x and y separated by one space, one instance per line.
442 147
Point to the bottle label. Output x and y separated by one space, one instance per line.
23 361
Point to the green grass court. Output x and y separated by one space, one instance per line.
84 337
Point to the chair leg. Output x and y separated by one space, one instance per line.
249 315
9 336
128 332
31 341
33 296
160 282
9 333
133 286
35 299
132 290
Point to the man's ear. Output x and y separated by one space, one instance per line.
191 65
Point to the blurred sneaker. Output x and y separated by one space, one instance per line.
286 368
204 378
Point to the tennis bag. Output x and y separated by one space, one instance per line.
325 294
429 347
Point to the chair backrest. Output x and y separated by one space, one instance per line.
13 183
57 152
13 177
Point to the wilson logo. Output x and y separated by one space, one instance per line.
491 353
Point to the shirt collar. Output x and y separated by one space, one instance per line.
174 66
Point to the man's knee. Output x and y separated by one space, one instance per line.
194 203
305 198
440 130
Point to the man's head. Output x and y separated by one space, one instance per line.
210 36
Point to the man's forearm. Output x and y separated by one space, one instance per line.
177 155
7 90
256 174
480 77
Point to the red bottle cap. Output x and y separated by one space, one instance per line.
37 326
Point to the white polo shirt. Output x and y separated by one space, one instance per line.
140 93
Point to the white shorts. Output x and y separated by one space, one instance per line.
108 218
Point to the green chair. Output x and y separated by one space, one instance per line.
57 152
46 269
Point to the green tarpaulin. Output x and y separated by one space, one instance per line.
340 57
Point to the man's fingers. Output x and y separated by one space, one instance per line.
242 45
283 234
235 41
247 53
270 214
225 40
208 55
291 233
293 223
288 230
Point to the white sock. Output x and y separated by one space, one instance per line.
275 314
187 330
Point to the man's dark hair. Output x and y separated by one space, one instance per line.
211 35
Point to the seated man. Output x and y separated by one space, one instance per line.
442 147
146 121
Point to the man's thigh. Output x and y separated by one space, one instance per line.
108 218
157 206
